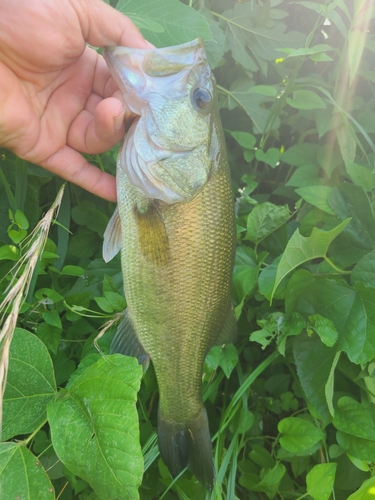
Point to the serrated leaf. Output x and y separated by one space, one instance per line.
22 475
298 434
320 481
306 99
301 249
30 385
264 219
325 328
94 427
166 22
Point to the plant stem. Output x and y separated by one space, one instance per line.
340 271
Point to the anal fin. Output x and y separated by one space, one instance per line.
126 342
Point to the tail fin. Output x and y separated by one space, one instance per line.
187 444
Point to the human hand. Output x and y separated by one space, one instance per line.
56 94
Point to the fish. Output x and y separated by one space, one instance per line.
175 227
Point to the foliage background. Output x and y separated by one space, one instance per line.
291 405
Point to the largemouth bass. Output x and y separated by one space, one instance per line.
175 227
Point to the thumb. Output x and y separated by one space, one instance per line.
103 25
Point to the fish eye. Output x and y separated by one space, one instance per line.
201 98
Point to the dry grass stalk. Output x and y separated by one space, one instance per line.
19 286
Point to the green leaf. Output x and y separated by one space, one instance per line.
306 99
244 139
166 22
329 386
52 318
271 480
356 44
50 336
21 474
307 51
320 481
245 274
224 356
314 362
365 492
364 270
347 141
305 176
298 434
215 48
9 252
300 155
73 271
352 418
116 300
325 328
21 220
264 219
317 196
270 157
363 449
300 249
361 176
94 427
30 385
86 214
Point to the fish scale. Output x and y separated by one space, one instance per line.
177 257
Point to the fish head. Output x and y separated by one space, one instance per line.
168 153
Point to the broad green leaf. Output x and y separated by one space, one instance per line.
298 434
271 480
300 249
361 176
94 426
252 103
352 311
261 456
356 44
320 480
9 252
305 176
360 448
30 385
87 214
116 300
329 158
364 270
365 492
306 99
215 48
314 362
245 274
347 142
353 418
264 219
22 475
325 328
49 335
52 318
166 22
270 157
300 155
73 271
244 139
224 356
317 196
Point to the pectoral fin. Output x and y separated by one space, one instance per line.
228 333
126 342
152 235
112 237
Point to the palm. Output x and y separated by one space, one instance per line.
57 92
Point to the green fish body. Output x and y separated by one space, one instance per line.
175 226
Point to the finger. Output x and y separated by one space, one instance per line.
73 167
103 25
96 133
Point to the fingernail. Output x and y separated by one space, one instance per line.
150 45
